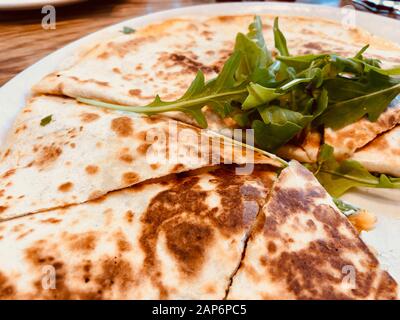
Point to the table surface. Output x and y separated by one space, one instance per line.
23 41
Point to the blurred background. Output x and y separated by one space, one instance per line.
23 40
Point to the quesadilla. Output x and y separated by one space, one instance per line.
303 248
181 237
163 59
382 154
350 138
84 152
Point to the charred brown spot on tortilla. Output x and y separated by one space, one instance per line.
7 290
239 211
387 288
129 216
126 157
142 149
182 214
91 169
65 187
313 45
39 256
122 242
116 70
115 272
24 234
6 154
135 92
89 117
51 220
178 167
2 193
8 174
17 228
21 128
48 155
208 35
104 55
187 242
186 197
97 196
3 208
189 64
82 242
287 200
155 166
122 126
271 247
129 178
72 145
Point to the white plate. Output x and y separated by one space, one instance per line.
31 4
385 238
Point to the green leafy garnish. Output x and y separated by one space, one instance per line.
339 177
346 208
128 30
46 120
284 96
280 40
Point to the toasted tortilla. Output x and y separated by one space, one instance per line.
306 150
354 136
85 152
303 248
164 58
382 154
177 238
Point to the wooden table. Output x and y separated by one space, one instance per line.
23 41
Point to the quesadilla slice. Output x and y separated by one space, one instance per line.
382 154
61 152
304 150
180 237
302 247
347 140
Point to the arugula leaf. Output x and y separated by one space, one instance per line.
256 34
339 177
255 55
395 71
353 100
280 40
346 208
279 125
301 62
359 54
128 30
46 120
259 95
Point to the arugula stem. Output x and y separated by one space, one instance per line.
165 108
369 182
375 93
